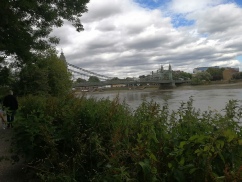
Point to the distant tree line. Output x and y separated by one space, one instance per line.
96 79
212 74
237 75
90 79
176 75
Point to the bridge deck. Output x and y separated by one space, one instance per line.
103 83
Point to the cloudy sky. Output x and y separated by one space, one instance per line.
129 38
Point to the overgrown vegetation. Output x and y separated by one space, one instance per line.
80 139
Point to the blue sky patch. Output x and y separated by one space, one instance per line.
239 58
238 2
179 21
151 4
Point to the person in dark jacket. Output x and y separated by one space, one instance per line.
10 104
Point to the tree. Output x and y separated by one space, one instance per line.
216 73
114 79
186 75
6 79
5 76
25 26
33 80
48 75
93 79
129 79
59 78
181 74
200 77
80 80
237 75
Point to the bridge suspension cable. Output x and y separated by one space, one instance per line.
86 71
80 71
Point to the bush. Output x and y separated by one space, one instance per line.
80 139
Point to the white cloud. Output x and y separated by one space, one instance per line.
123 39
218 19
188 6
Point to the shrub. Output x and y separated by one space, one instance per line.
80 139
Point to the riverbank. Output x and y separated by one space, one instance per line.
205 86
212 85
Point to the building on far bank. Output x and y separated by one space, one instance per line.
202 69
229 72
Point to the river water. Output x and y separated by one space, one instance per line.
205 97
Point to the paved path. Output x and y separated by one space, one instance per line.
8 172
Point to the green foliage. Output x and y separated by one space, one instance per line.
80 80
237 75
48 75
142 76
93 79
181 75
115 79
26 25
59 79
200 77
33 79
80 139
3 93
129 79
6 76
216 73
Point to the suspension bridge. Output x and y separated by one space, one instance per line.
160 77
86 73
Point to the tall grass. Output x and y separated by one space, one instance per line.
80 139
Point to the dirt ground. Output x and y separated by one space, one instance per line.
8 172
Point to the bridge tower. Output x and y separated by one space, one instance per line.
170 73
171 83
62 57
161 73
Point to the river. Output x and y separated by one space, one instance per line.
212 97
